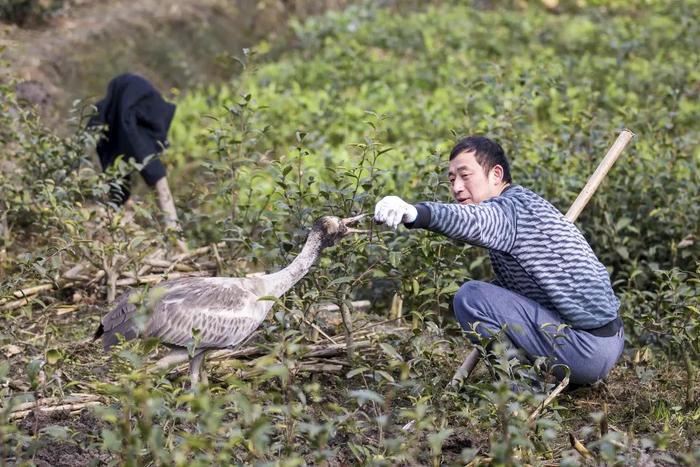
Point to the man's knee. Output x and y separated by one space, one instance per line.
471 302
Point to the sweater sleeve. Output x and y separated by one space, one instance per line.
490 224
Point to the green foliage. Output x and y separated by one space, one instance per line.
553 89
54 198
368 105
668 316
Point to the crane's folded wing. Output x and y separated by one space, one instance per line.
210 327
220 312
217 312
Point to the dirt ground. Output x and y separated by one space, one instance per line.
73 451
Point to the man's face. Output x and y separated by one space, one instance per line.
470 183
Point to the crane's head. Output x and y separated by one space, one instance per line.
334 228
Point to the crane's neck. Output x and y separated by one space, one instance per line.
281 281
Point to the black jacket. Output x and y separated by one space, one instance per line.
137 120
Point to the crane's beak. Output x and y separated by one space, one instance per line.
350 221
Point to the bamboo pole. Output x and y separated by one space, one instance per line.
595 180
562 385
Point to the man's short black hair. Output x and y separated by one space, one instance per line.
487 152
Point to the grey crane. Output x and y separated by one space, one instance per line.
224 310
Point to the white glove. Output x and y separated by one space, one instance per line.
394 211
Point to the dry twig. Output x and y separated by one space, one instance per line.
71 403
85 275
314 351
579 447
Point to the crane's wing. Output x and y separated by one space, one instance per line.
220 311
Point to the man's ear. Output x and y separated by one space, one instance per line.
497 174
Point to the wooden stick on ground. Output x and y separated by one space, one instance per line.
55 408
197 252
314 351
579 446
52 404
25 293
312 367
572 214
28 295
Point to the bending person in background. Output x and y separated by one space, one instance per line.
137 120
546 273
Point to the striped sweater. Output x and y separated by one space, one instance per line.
534 252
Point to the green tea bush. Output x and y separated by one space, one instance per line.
56 209
43 175
668 317
554 90
555 101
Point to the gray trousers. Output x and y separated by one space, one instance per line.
533 329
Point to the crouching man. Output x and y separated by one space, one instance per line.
546 273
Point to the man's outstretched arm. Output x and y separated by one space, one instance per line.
489 224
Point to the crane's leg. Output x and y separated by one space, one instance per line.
175 356
203 375
196 368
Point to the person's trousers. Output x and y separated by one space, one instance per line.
536 330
